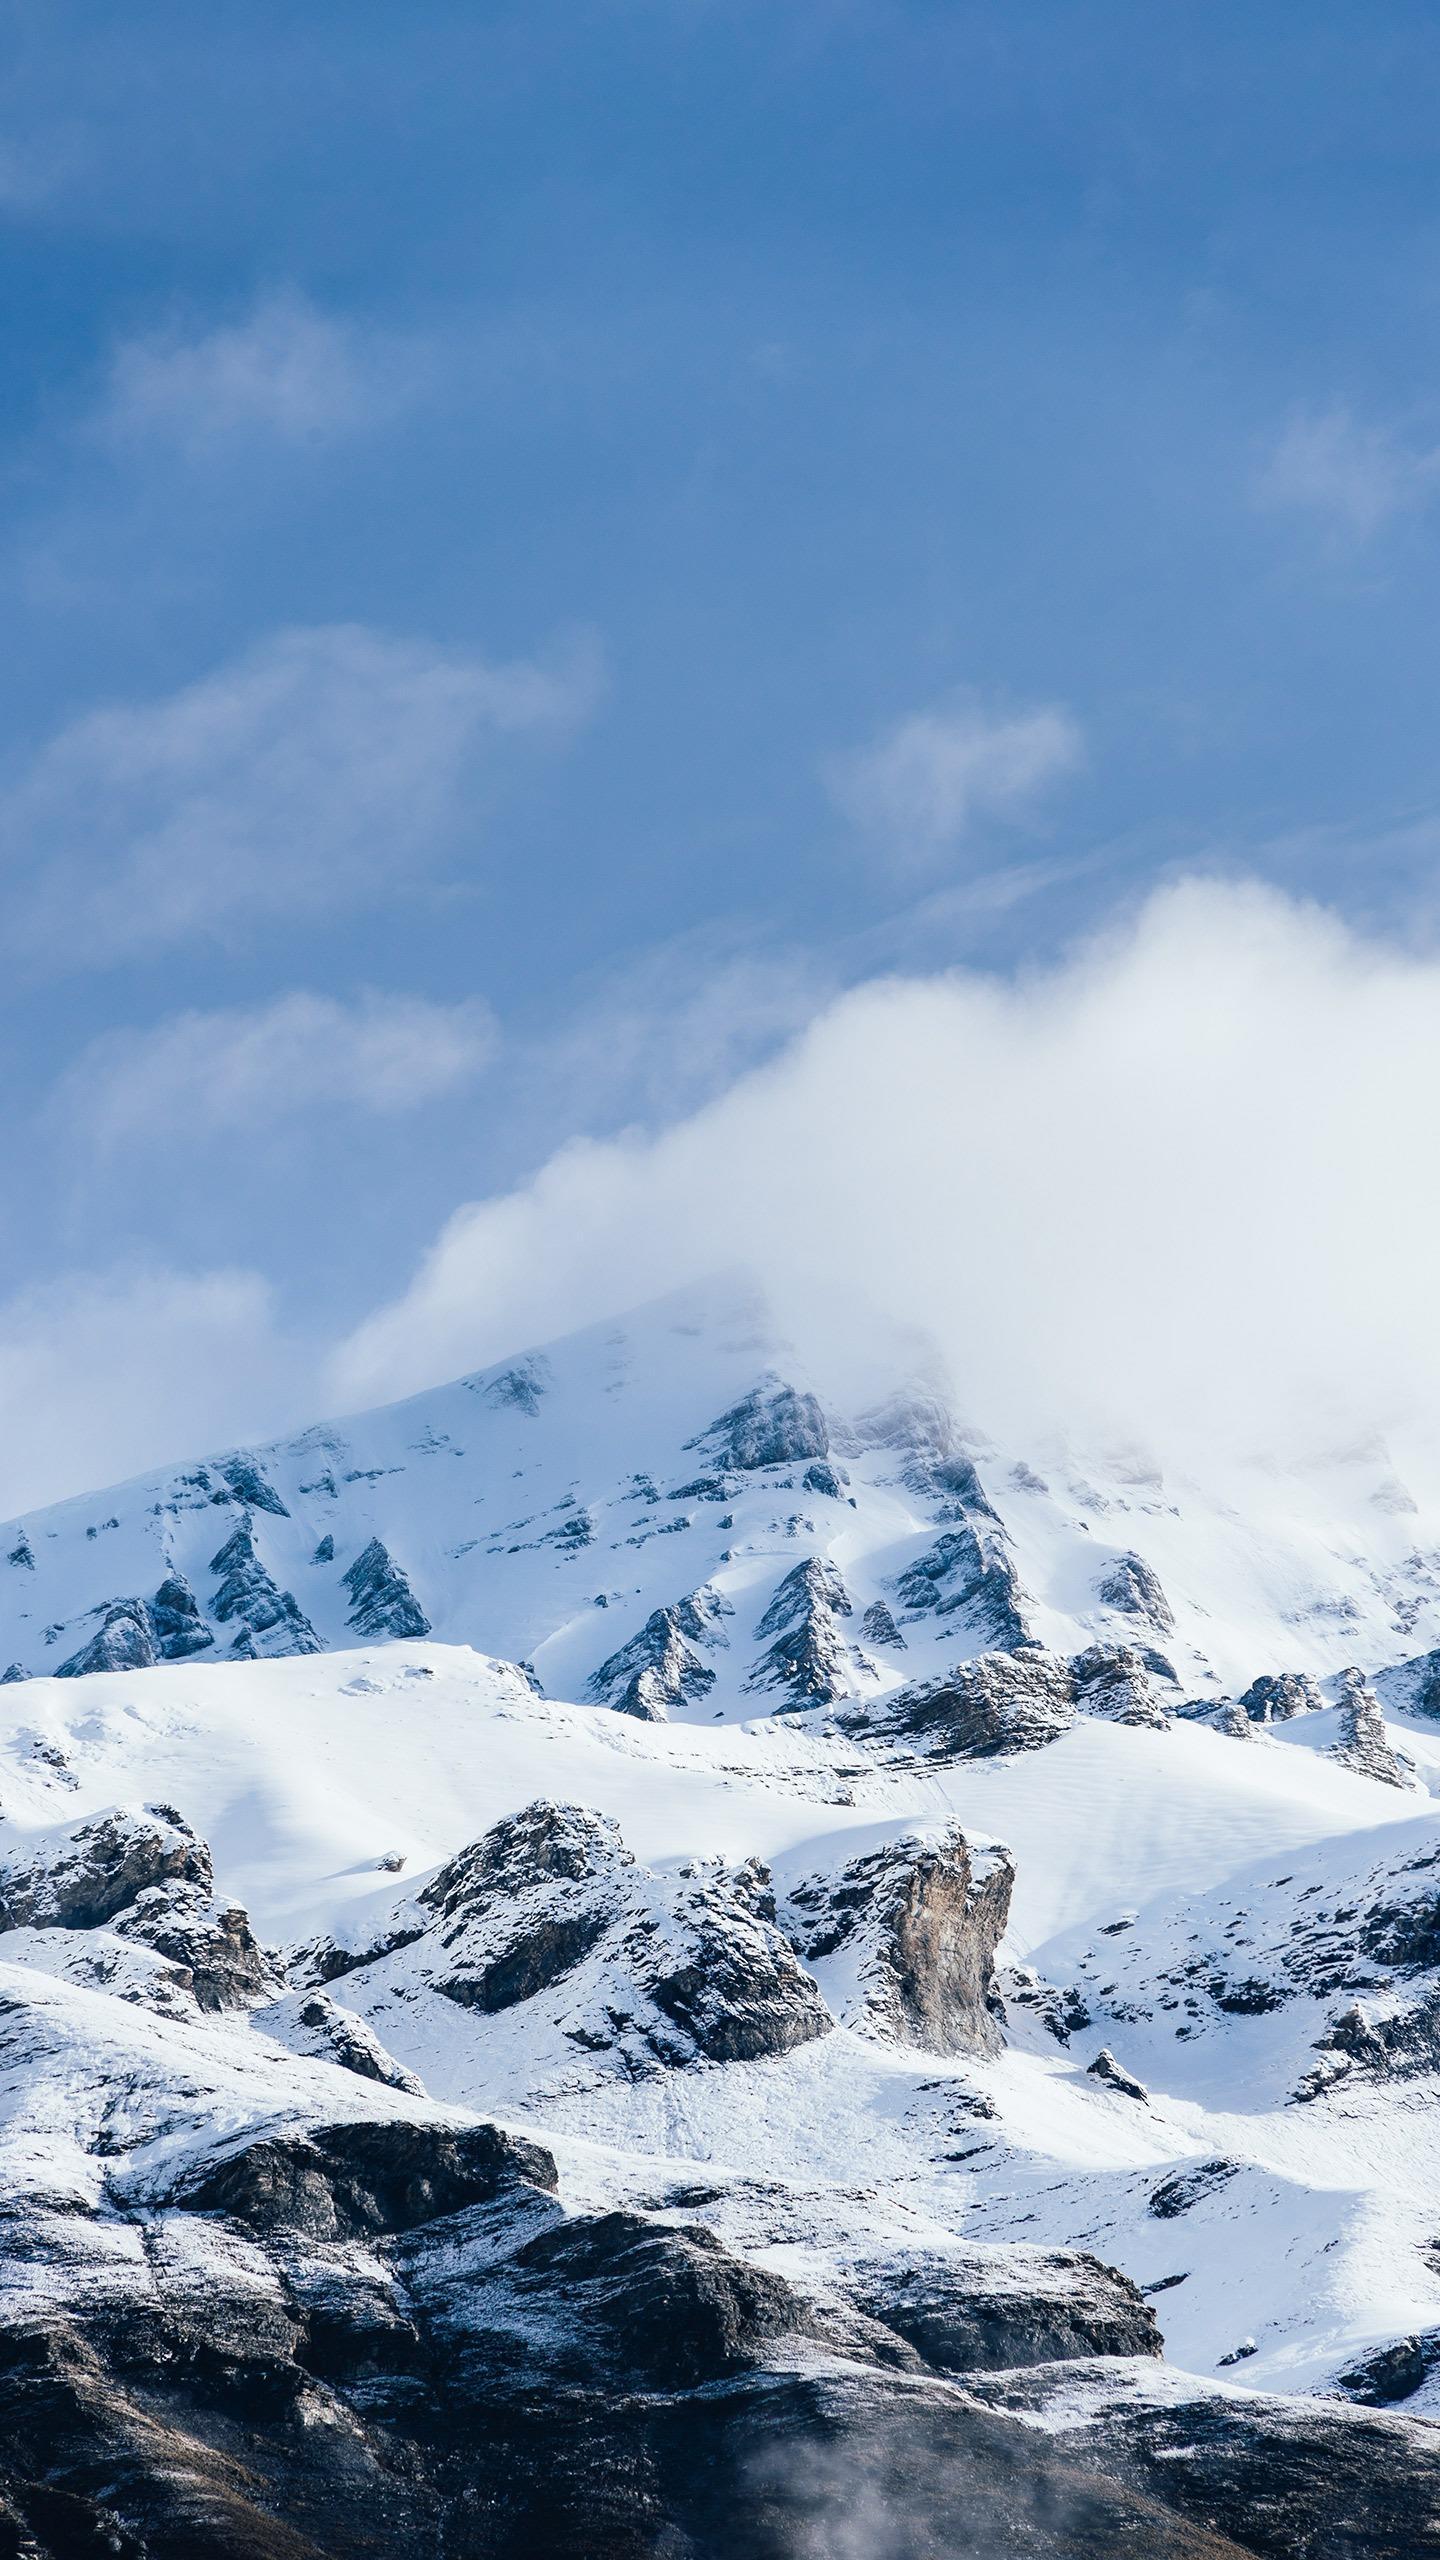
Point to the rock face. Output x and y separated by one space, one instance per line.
640 1973
78 1878
919 1921
1114 2076
968 1576
1363 1744
310 2022
266 1619
977 2310
1002 1702
136 1633
809 1660
1130 1586
659 1669
775 1425
1115 1682
1288 2479
382 1602
1278 1695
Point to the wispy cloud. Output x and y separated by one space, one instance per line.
250 1067
322 768
288 372
923 785
1356 476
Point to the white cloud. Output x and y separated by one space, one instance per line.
1356 475
1179 1187
322 768
102 1375
243 1068
287 372
921 787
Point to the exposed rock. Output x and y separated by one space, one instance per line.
383 1602
267 1620
344 2181
878 1627
920 1920
828 1481
1002 1702
658 1669
175 1619
974 2309
80 1877
1115 2076
311 2023
209 1940
250 1485
1112 1681
325 1552
809 1660
968 1576
643 1972
1394 2372
1189 2187
22 1554
1278 1695
1289 2479
1130 1586
518 1388
1364 1745
773 1426
125 1641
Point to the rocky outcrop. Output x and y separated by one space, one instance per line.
311 2023
1302 2479
80 1877
382 1602
1130 1585
248 1483
809 1660
1278 1695
1394 2372
1002 1702
977 2309
1113 1681
919 1921
134 1634
267 1620
968 1578
124 1641
1113 2075
639 1972
878 1627
775 1425
1363 1743
208 1941
659 1670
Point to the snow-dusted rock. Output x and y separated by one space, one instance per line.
1113 1680
917 1923
978 2309
775 1425
1363 1743
382 1602
1002 1702
659 1669
966 1576
1130 1585
311 2023
643 1972
266 1619
1278 1695
80 1876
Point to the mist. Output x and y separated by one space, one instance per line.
1180 1188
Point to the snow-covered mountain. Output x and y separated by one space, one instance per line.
620 1960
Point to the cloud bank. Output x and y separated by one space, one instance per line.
1181 1187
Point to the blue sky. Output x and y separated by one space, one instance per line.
539 544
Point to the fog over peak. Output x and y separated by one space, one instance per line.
1180 1188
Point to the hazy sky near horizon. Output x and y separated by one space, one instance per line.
542 546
